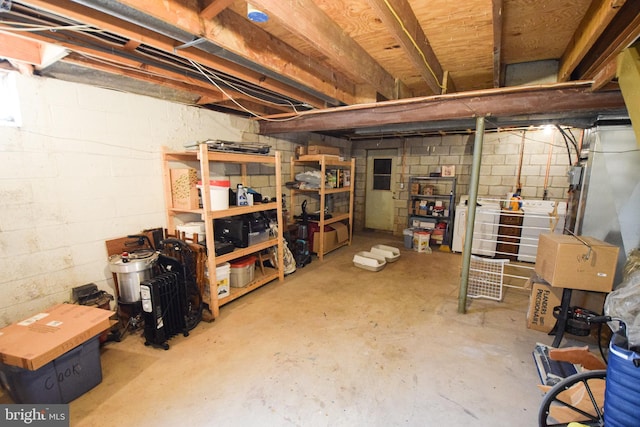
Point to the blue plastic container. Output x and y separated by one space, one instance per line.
622 394
60 381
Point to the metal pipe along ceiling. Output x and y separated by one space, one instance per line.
144 20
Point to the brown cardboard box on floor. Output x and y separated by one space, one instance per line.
333 238
567 262
36 341
541 303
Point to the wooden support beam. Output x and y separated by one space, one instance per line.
503 102
399 19
20 49
621 33
629 79
605 75
595 21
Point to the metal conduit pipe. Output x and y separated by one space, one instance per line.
144 20
471 214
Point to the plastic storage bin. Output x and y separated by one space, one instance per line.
242 271
421 241
60 381
408 238
190 228
223 273
369 261
390 253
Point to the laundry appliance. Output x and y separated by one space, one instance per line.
540 216
485 228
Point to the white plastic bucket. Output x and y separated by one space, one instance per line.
421 241
223 273
219 190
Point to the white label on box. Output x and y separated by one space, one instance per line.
33 319
602 274
54 323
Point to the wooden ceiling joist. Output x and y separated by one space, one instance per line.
305 19
214 8
399 18
598 16
147 37
20 49
257 46
497 42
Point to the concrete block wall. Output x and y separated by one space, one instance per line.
85 168
498 172
499 165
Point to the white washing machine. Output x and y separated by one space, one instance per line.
540 216
485 228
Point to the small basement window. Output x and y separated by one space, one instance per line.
9 102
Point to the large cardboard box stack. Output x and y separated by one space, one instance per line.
576 262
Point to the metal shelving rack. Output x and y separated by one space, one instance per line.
444 190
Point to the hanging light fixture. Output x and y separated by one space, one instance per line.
256 15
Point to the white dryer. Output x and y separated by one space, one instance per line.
540 216
485 228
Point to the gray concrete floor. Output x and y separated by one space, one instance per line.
334 345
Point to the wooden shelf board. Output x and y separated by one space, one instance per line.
270 274
241 210
240 252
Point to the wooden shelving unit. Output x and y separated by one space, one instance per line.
325 163
203 159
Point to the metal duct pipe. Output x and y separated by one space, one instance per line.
144 20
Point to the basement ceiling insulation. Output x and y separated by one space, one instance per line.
314 55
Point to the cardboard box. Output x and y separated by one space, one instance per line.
346 178
428 190
332 239
36 341
541 303
449 170
565 262
184 194
323 149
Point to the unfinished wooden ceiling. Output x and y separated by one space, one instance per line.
314 54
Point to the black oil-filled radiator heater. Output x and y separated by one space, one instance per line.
171 300
163 306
